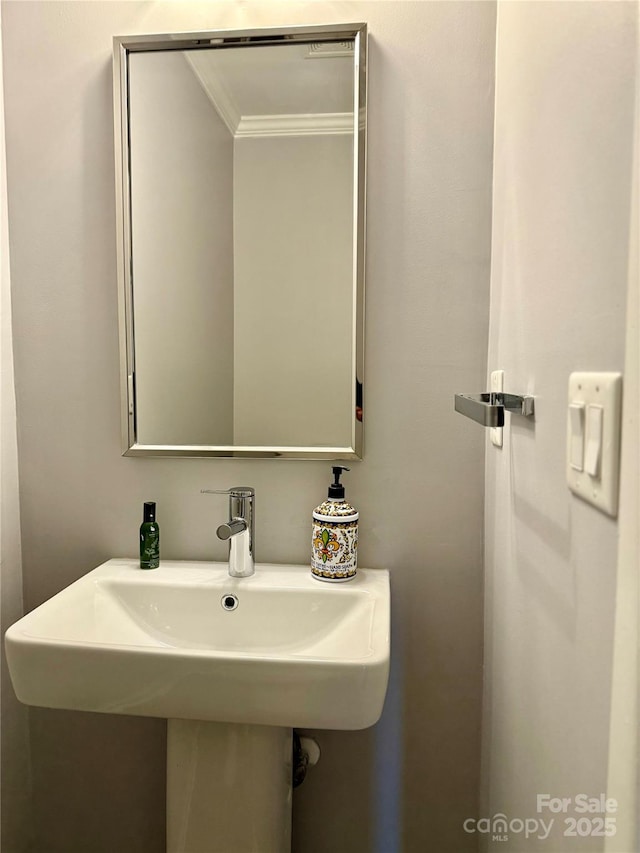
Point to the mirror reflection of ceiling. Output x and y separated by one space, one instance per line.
259 89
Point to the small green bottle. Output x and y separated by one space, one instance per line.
149 538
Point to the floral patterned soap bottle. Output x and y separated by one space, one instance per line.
334 540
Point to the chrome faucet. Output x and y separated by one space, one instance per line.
239 530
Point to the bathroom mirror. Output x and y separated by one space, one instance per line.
240 181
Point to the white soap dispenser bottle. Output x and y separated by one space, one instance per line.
334 540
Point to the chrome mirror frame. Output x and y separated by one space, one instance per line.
123 46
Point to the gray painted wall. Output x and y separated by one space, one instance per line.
563 175
409 782
15 789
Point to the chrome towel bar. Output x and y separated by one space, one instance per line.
488 408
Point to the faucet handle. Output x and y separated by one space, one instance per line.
241 502
234 492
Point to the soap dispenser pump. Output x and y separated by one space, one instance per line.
334 540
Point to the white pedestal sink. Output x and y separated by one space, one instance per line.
232 663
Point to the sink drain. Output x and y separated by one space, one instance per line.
229 601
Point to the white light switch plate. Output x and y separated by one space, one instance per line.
601 396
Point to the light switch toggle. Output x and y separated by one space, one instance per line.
593 452
594 408
576 436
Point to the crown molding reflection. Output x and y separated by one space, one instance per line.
311 124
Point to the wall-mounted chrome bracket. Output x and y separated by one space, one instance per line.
488 408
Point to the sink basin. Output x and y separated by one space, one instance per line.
162 643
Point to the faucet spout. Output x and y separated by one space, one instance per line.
232 528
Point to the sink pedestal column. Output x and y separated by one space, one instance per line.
228 788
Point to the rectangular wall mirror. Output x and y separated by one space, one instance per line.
240 180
